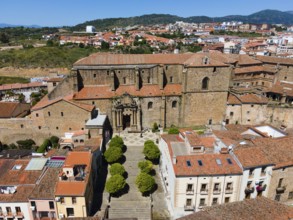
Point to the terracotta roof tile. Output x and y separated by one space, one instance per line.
275 60
253 69
103 92
9 109
21 85
260 208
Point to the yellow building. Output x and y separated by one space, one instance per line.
74 189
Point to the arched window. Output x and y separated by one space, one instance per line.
174 104
205 83
150 105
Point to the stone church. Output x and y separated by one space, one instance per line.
135 91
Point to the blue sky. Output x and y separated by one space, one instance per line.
71 12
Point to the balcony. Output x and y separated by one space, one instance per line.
203 191
9 214
216 191
18 214
189 192
1 214
189 208
281 189
249 190
229 190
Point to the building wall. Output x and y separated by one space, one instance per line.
24 206
287 175
79 207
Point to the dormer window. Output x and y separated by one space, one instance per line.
17 167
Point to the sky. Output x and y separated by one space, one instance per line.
72 12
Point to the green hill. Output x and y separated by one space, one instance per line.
265 16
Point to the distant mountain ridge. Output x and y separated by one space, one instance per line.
4 25
265 16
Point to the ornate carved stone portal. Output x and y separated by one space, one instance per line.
126 113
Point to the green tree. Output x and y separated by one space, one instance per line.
155 127
26 144
113 154
117 168
4 38
50 43
116 142
54 140
151 151
115 184
173 131
44 146
105 45
145 166
145 182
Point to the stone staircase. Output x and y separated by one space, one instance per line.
131 204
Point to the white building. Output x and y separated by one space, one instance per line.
195 174
90 29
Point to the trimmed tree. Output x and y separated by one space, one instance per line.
44 146
151 151
145 182
145 166
115 184
117 168
113 154
54 140
116 142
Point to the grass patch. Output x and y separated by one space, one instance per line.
11 80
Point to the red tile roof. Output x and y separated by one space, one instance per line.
104 92
21 85
246 99
8 109
253 69
275 60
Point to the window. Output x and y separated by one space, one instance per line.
227 199
108 72
202 202
51 205
278 197
166 67
21 126
150 105
8 210
62 200
40 127
70 212
189 187
229 186
215 69
263 83
62 114
149 79
124 80
280 182
57 128
217 187
188 163
171 79
49 114
33 203
205 83
251 172
215 201
119 71
37 115
263 171
54 84
142 71
95 75
174 104
203 187
73 200
229 161
17 209
248 112
210 121
199 162
188 202
93 102
290 196
285 77
69 129
231 114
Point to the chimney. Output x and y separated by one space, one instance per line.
137 78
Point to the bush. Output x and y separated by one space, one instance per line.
151 151
155 127
145 166
54 140
113 154
173 131
116 142
115 184
25 144
43 148
145 182
117 168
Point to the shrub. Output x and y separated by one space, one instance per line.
116 142
44 146
113 154
151 151
145 182
173 131
117 168
115 184
25 144
155 127
54 140
145 166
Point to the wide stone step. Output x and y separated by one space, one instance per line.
131 197
140 214
130 204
